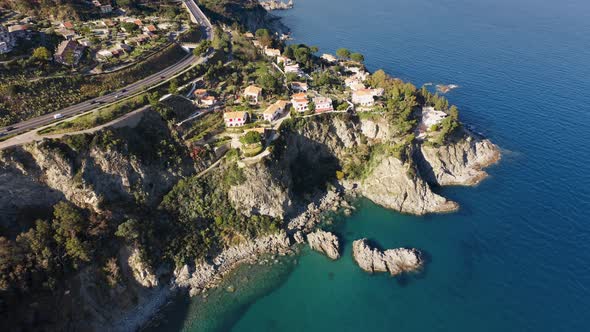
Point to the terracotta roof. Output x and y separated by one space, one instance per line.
68 25
18 27
200 91
138 22
151 28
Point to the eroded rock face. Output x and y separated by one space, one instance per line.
207 274
261 193
394 261
395 185
142 272
324 242
459 163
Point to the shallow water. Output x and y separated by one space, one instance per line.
515 257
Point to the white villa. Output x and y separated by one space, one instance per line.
431 117
300 102
323 104
253 92
274 110
235 119
366 97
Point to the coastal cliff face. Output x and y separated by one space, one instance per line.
393 185
124 171
262 194
107 168
311 151
458 163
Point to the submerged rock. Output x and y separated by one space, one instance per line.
394 261
324 242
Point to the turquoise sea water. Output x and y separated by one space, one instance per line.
516 257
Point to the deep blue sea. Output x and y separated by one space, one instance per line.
516 257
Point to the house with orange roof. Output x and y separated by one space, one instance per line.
300 102
67 25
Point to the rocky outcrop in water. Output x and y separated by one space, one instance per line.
394 261
458 163
324 242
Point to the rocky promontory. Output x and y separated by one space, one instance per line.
324 242
394 261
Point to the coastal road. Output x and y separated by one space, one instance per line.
122 93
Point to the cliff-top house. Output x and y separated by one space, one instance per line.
323 104
274 111
300 102
235 119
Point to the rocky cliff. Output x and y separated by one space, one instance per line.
458 163
310 151
114 167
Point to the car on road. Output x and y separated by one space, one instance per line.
124 90
162 77
117 96
101 102
9 129
93 102
58 116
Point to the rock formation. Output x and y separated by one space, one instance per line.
394 261
324 242
264 194
206 274
142 272
458 163
393 185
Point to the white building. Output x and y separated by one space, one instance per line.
273 111
253 92
235 119
365 97
300 102
293 68
323 104
431 117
